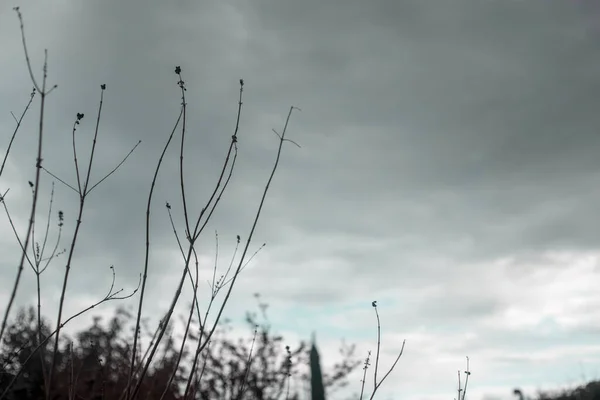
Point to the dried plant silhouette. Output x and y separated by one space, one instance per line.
367 361
104 361
95 362
45 345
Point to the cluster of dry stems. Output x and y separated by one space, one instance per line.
193 227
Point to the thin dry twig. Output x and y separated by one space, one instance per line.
192 237
187 328
377 385
245 264
256 218
82 197
364 379
147 257
248 364
19 121
462 390
241 263
83 190
38 269
115 168
38 164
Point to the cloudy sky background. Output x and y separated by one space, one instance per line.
449 169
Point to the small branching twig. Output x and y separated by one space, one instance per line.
175 230
14 229
248 241
219 284
83 189
377 385
193 283
38 269
147 257
287 140
364 379
245 264
19 121
116 167
36 264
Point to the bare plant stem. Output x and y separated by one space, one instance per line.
255 223
364 379
248 365
376 384
460 389
38 165
248 241
83 192
147 257
378 347
191 237
19 121
187 329
82 197
164 328
38 272
36 266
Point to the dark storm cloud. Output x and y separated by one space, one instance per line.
480 123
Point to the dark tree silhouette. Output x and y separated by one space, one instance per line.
95 364
20 343
589 391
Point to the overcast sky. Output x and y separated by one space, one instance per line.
449 168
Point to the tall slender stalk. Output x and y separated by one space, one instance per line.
19 121
38 166
147 258
83 191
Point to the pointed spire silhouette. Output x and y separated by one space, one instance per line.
316 378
